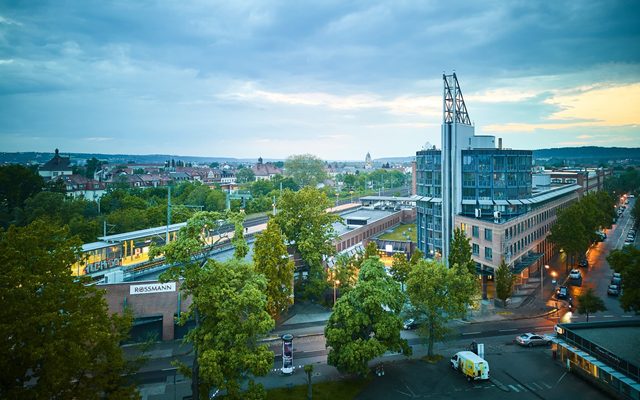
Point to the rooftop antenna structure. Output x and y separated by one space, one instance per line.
454 107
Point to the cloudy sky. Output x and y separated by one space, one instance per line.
336 79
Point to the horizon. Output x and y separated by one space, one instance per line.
334 80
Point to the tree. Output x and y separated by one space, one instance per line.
245 175
400 268
438 294
371 250
345 270
238 240
308 369
504 282
365 322
17 184
272 260
58 339
626 261
229 308
569 232
306 169
460 253
304 221
589 303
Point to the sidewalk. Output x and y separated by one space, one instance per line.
304 320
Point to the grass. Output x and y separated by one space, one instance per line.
399 231
330 390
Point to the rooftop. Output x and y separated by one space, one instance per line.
367 214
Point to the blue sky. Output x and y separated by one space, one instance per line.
333 78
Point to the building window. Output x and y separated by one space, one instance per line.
488 234
476 250
475 231
488 253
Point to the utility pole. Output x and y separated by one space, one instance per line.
168 213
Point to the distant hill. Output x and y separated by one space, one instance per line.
37 157
589 152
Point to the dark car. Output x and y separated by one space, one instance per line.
616 280
613 290
562 292
583 263
410 324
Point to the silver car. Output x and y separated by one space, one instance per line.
532 339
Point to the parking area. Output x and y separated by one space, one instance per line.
516 373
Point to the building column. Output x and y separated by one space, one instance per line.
168 325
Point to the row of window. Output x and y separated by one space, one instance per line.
488 233
488 251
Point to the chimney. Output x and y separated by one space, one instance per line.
499 143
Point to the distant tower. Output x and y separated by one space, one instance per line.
368 164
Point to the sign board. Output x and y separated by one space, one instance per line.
152 288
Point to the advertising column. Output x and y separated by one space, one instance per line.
287 354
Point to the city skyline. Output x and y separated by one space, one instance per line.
336 80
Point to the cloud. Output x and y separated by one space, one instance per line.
586 106
400 105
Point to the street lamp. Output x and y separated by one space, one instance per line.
542 282
335 283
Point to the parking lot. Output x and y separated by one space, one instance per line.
516 373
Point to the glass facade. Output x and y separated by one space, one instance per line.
487 175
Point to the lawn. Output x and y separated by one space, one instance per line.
399 231
330 390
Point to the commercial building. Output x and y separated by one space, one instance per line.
604 353
474 183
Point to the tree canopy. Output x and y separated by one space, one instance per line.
229 307
305 169
365 322
271 259
460 253
504 281
626 261
438 294
589 303
58 339
304 221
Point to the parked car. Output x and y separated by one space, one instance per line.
616 275
613 290
575 274
410 324
584 263
616 280
532 339
562 292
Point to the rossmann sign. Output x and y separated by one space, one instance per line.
152 288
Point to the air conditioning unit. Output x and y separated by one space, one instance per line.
478 213
497 215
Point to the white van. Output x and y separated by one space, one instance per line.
471 365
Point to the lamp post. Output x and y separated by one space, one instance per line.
335 283
542 281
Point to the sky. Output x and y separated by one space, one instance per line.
335 79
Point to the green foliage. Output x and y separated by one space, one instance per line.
245 175
238 240
400 268
626 261
371 250
58 337
308 228
229 305
589 303
504 281
306 170
346 271
626 182
460 253
272 260
17 184
365 322
438 294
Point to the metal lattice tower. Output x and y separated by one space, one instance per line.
454 107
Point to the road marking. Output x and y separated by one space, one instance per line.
548 387
515 389
607 316
538 386
507 330
524 389
471 333
561 378
627 316
169 369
